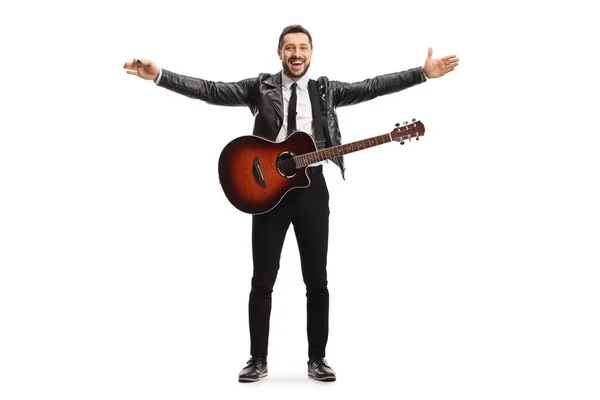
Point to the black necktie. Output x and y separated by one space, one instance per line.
292 111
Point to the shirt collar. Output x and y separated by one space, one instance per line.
287 82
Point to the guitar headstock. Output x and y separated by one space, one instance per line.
415 129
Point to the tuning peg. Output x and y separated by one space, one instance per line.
405 122
402 142
397 125
417 138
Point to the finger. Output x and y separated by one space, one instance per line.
429 53
451 58
134 72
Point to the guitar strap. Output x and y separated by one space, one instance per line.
315 104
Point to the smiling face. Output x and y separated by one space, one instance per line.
295 54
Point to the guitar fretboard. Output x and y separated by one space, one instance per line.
332 152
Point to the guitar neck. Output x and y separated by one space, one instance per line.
332 152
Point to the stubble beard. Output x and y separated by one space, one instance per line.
293 74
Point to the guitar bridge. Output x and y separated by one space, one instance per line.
257 173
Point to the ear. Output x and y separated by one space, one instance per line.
279 53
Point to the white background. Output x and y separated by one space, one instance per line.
464 265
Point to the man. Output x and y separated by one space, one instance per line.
283 103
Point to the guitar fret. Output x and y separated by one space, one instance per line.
332 152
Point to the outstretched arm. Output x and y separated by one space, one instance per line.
345 94
352 93
218 93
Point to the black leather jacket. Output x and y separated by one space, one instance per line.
264 97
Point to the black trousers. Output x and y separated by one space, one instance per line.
308 211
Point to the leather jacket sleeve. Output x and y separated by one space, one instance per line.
218 93
345 94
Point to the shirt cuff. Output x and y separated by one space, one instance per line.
157 80
423 75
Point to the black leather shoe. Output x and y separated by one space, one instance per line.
319 370
255 369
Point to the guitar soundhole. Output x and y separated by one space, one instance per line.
286 165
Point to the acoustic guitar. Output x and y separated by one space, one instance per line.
256 173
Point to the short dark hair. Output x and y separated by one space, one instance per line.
294 29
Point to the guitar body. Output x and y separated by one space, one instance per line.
256 173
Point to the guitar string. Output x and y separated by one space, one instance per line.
291 162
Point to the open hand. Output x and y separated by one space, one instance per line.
434 68
145 69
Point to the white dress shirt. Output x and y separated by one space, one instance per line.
303 107
304 120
